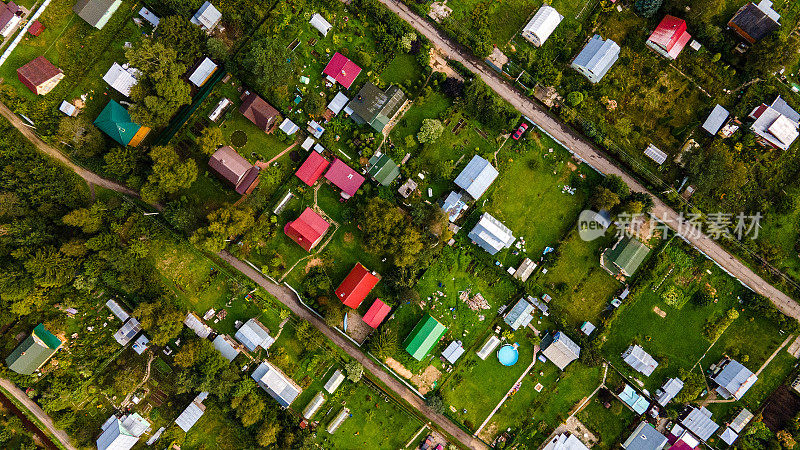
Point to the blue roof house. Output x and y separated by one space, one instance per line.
596 58
491 235
476 177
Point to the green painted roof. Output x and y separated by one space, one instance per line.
383 169
628 255
424 336
33 352
115 121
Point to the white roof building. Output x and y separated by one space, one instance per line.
491 235
640 360
121 78
734 379
334 381
655 154
276 383
596 58
488 346
338 103
565 441
207 17
319 22
117 310
314 405
777 124
668 391
192 413
716 119
203 72
542 25
308 143
197 325
68 108
227 346
288 127
476 177
128 331
122 433
253 334
151 18
453 352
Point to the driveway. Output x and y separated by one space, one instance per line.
288 298
34 409
594 157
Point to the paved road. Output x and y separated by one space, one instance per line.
594 157
288 298
31 406
90 177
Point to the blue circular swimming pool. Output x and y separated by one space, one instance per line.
508 355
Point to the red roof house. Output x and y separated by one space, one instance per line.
341 70
312 168
307 230
36 28
670 37
40 76
376 313
344 177
235 169
356 286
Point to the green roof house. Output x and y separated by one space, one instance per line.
625 256
376 107
424 336
382 169
33 352
115 121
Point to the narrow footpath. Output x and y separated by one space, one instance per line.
34 409
290 300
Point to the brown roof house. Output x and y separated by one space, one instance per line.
40 76
258 111
234 169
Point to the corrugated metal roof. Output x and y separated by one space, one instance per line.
640 360
491 235
476 177
716 119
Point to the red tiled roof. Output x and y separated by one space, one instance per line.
680 445
344 177
671 35
312 168
37 72
36 28
307 229
342 70
233 168
356 286
376 313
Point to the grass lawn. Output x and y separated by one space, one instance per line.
609 425
538 212
216 430
580 288
404 68
478 385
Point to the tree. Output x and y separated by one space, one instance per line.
647 8
714 328
210 140
430 131
89 220
268 433
84 139
224 223
51 268
575 98
217 49
170 174
179 33
317 283
315 104
161 319
268 63
160 90
388 233
693 385
773 52
407 40
189 353
311 336
434 401
354 370
384 344
704 10
121 161
617 185
604 198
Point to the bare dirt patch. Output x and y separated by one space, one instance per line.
357 328
661 313
348 238
399 368
488 432
313 262
425 381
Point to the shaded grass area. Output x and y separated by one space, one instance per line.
216 430
610 425
580 288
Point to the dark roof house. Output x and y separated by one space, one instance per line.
258 111
625 256
40 76
382 169
233 168
96 12
307 230
33 352
10 17
356 286
376 107
754 22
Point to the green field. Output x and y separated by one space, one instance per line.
610 425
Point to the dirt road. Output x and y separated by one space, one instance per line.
288 298
90 177
594 157
29 404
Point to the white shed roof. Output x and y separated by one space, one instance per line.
655 154
716 119
542 24
319 22
121 78
203 72
453 352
